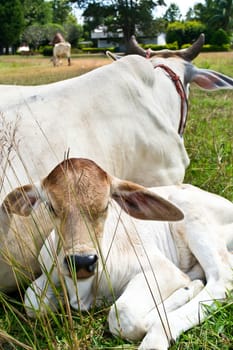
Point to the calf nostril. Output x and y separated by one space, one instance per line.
78 262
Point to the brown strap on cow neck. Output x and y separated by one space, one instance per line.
181 91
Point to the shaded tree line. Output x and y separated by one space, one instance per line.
35 22
214 17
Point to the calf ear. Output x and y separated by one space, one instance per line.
22 200
143 204
211 80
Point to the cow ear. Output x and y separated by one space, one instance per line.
211 80
22 200
143 204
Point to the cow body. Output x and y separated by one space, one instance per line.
125 116
115 133
61 50
143 266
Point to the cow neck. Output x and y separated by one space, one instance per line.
181 91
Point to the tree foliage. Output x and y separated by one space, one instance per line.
12 21
60 10
34 35
184 32
219 37
73 33
216 14
40 28
38 35
36 11
214 17
173 13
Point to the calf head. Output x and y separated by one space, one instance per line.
77 193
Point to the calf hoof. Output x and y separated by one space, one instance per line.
124 324
155 339
194 288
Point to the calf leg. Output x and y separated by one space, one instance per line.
185 317
54 61
128 316
158 333
182 295
40 297
193 312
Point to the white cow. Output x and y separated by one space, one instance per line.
151 270
61 50
127 116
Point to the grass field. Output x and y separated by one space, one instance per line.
35 70
209 142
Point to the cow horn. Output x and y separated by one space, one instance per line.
187 54
113 56
134 48
191 52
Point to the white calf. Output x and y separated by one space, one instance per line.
150 269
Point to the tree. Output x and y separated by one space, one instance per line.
216 14
73 30
36 11
184 32
192 30
42 11
175 33
204 12
219 37
50 29
61 10
223 17
34 35
12 22
129 15
190 15
173 13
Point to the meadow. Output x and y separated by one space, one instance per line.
209 142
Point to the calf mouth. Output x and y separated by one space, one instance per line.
84 274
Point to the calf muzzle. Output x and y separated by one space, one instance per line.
82 265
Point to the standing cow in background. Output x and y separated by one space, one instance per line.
61 48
